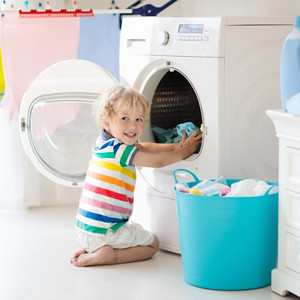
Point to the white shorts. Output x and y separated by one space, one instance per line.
129 235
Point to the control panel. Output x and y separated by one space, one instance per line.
197 36
201 37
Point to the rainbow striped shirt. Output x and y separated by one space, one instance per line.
107 196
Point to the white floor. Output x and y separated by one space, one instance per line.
34 264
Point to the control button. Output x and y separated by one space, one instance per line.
192 38
163 37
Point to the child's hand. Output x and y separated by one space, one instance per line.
155 155
192 142
181 143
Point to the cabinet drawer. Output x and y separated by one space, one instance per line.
292 209
293 252
292 166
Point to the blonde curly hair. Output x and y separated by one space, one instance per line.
120 97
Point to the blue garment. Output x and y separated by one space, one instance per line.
169 136
174 135
189 128
99 41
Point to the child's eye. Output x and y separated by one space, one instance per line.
139 119
125 118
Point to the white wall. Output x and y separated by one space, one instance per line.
210 7
234 8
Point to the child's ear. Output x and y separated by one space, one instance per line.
106 125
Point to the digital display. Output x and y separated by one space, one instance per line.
190 28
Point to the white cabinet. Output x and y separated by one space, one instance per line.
286 277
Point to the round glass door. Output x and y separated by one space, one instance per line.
62 132
56 124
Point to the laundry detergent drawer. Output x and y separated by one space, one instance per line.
293 252
292 209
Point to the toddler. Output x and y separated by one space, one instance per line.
103 229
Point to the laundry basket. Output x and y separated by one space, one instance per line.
227 243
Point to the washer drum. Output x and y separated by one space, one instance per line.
174 102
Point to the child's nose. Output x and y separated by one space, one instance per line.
132 124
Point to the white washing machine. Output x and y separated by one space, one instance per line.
220 72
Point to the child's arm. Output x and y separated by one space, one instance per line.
161 147
161 155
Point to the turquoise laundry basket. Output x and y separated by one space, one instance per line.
227 243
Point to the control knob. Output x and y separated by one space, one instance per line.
163 37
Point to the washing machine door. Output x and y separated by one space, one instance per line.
57 127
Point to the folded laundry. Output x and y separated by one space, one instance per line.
182 187
219 187
251 187
216 187
194 191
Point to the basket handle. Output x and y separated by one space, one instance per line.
269 189
184 170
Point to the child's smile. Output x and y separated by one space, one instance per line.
127 127
130 135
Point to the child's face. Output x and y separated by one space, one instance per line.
127 127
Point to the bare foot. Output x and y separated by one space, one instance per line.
77 254
104 255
